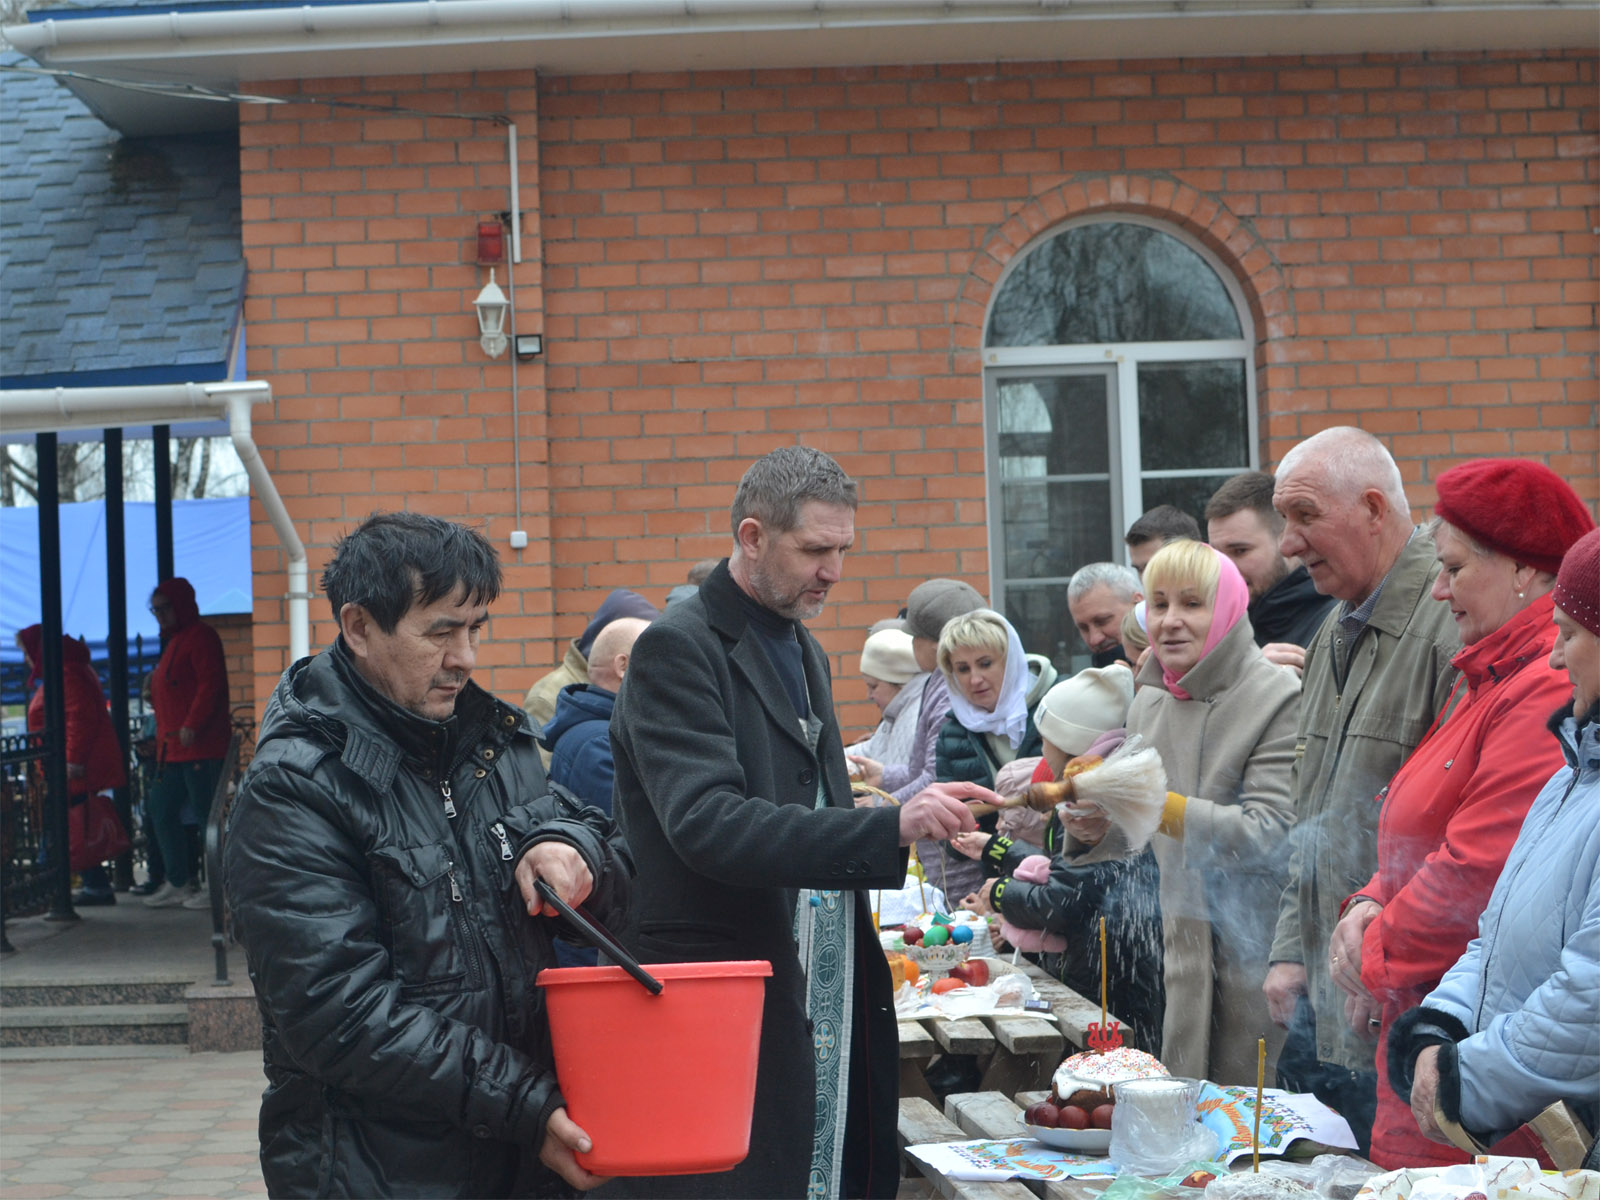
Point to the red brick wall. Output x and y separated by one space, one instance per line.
238 651
736 260
359 232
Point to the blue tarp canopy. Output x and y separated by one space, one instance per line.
211 549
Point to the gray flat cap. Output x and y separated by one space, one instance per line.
935 602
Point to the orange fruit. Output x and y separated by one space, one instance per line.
913 972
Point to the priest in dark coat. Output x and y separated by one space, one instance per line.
732 791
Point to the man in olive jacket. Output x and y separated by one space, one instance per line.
732 789
380 862
1376 675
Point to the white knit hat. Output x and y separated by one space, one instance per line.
1078 710
887 656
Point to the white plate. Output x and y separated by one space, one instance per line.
1079 1141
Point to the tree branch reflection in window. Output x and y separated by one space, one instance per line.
1111 282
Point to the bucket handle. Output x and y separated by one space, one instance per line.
595 934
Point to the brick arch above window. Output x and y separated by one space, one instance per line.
1204 218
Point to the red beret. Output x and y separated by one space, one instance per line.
1515 507
1577 591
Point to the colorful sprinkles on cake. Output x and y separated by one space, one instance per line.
1112 1066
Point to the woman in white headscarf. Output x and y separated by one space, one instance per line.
990 722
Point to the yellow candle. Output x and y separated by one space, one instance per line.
1102 975
1261 1079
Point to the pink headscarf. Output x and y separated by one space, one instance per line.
1233 598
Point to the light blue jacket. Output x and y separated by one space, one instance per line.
1528 987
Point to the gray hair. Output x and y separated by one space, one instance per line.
780 483
1121 579
1350 460
1435 524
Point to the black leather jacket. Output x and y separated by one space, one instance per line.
405 1043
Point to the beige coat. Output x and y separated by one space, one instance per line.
540 702
1352 740
1230 750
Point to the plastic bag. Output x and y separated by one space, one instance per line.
1185 1180
1153 1127
1004 993
1271 1183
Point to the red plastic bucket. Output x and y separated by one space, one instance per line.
663 1085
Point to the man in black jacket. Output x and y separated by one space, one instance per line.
380 862
1286 610
732 788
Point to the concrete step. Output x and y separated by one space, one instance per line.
94 1025
12 1054
57 994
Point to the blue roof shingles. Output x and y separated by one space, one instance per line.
116 254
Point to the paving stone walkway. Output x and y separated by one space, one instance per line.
140 1127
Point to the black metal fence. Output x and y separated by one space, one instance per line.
29 867
28 870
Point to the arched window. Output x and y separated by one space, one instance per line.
1117 376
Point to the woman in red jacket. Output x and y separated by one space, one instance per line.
94 755
189 692
1452 811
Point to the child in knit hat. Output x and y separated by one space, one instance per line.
1051 895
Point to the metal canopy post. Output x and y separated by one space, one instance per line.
55 699
162 435
117 635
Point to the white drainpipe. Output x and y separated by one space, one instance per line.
45 410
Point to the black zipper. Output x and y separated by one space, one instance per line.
464 931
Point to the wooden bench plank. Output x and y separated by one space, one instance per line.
916 1041
920 1124
993 1115
1026 1034
1073 1014
966 1035
985 1114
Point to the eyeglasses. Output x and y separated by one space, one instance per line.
157 610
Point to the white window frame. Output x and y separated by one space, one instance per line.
1125 357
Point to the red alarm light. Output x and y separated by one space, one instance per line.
491 243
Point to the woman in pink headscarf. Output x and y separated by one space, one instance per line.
1223 719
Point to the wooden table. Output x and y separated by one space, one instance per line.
1015 1051
969 1115
989 1115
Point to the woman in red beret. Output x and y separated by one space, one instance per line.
1452 812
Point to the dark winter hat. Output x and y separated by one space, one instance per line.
935 602
620 603
1515 507
1577 591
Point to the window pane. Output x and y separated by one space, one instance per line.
1193 414
1044 624
1053 426
1052 529
1190 493
1111 282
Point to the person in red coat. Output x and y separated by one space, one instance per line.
1453 810
189 692
94 756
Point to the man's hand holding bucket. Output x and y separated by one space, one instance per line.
559 865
